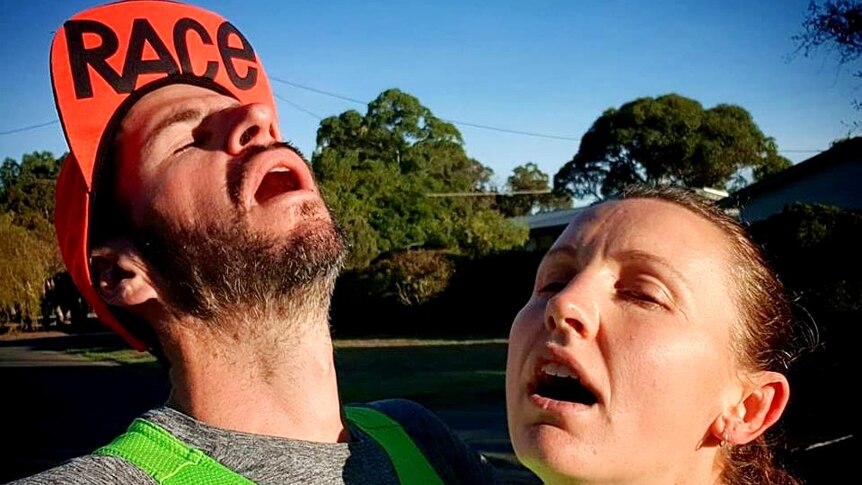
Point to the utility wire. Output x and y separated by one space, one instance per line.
365 103
456 122
486 194
28 128
298 107
318 91
517 132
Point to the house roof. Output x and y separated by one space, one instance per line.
549 219
840 153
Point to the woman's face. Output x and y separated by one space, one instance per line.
620 361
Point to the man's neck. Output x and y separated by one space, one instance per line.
260 382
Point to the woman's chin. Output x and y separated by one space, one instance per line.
552 454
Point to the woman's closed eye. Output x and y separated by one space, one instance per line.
643 296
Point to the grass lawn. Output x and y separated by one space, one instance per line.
112 354
443 374
436 373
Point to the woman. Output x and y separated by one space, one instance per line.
651 350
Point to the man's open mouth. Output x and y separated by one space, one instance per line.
556 381
277 181
267 173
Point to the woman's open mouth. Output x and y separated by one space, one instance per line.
556 381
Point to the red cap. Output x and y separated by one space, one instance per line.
102 60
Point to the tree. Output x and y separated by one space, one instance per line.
383 174
529 191
27 190
26 263
836 25
815 250
670 139
28 252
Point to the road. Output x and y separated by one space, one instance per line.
56 406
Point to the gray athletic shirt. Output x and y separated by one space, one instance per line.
273 460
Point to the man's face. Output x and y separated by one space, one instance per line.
226 214
621 359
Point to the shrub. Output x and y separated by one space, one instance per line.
815 250
412 277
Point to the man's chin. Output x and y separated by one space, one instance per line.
209 273
288 221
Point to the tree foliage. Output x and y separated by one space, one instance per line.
27 190
837 26
29 259
670 139
530 192
834 25
381 172
26 263
815 250
412 277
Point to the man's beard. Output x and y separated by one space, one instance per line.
227 273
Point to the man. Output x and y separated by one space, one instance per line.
196 233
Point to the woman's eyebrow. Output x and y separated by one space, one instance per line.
637 255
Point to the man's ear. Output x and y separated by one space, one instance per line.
760 407
120 274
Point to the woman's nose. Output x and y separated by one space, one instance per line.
575 309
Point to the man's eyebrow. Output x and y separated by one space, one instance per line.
181 115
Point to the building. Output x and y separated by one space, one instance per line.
546 226
833 177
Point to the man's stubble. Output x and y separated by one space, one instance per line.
234 278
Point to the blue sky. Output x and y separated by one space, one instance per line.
543 67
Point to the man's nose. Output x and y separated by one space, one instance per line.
252 124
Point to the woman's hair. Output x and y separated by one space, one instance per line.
765 337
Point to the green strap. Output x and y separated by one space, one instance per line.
410 464
168 460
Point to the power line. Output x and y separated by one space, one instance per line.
318 91
456 122
28 128
487 194
365 103
517 132
318 117
298 107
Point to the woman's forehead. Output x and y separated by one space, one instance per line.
663 228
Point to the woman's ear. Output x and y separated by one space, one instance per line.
761 406
120 274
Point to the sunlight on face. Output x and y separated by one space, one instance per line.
228 217
620 360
